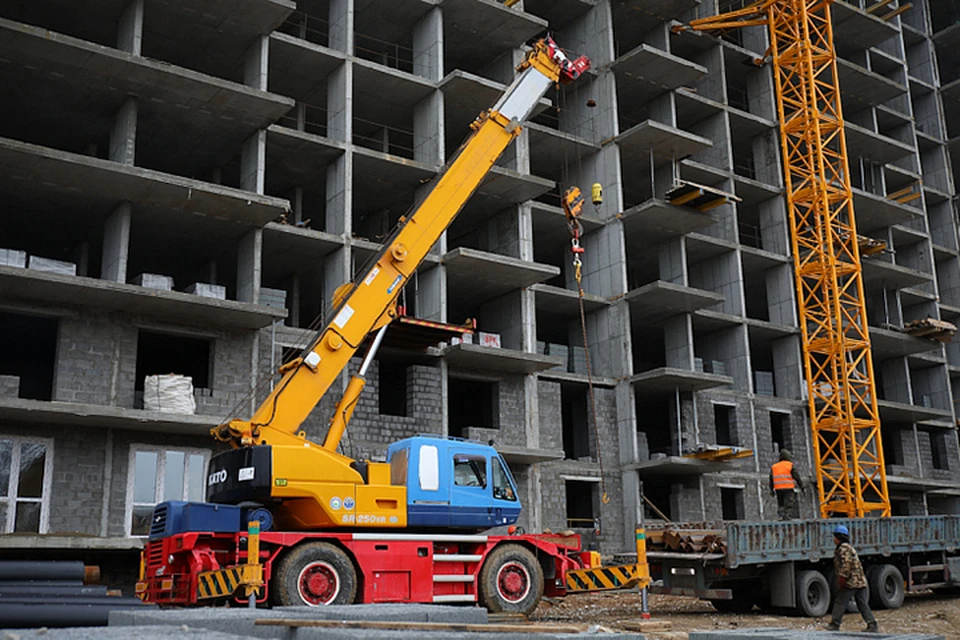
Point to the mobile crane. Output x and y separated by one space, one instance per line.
334 535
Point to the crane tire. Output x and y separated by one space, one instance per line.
813 594
511 580
314 574
886 586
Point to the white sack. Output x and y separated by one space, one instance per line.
170 393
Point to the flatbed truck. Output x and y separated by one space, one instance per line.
789 564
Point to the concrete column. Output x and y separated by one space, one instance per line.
340 103
296 205
431 294
780 295
253 162
531 399
249 266
428 46
521 153
130 28
428 129
116 244
592 34
123 135
341 25
788 368
526 232
339 205
293 291
255 63
629 454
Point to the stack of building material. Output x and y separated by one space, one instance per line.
715 366
170 393
276 298
701 537
932 329
577 362
50 265
487 339
13 258
763 383
154 281
205 290
56 594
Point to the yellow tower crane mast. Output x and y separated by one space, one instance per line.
851 477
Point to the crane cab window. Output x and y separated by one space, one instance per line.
502 489
469 470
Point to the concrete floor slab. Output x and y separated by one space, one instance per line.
650 223
559 375
919 484
646 72
299 69
558 302
744 126
886 344
757 260
388 21
702 247
639 17
667 144
75 414
879 275
550 227
523 455
762 331
385 182
41 286
476 32
192 121
548 146
904 412
668 379
84 183
511 187
708 321
497 361
483 276
560 12
855 29
297 158
653 303
864 143
875 212
387 96
679 467
861 88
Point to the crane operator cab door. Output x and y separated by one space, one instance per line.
454 484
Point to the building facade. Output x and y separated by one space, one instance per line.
266 147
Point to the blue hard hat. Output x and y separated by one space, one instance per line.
841 529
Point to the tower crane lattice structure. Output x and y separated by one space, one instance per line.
845 421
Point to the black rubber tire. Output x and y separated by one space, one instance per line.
887 589
314 574
813 594
742 602
511 580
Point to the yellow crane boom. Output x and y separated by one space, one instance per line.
842 398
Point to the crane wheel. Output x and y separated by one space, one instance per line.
886 586
313 575
511 580
813 594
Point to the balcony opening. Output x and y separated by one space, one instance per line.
731 500
472 403
28 351
725 420
576 423
580 507
392 380
779 431
163 353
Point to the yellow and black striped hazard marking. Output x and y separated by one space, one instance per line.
224 582
602 578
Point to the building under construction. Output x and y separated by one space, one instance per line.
183 188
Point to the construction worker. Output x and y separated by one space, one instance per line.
783 480
851 581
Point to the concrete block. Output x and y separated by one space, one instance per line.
9 386
13 258
52 266
205 290
276 298
153 281
466 338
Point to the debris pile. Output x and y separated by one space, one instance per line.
932 329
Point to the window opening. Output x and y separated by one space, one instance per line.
574 418
158 475
25 468
392 389
724 418
162 353
731 503
471 404
580 498
29 351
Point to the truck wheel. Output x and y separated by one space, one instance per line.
511 580
886 586
813 594
315 574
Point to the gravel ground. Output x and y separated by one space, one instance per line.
921 613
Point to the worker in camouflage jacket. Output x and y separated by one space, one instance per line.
851 581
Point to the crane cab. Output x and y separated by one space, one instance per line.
453 483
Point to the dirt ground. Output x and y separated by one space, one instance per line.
920 613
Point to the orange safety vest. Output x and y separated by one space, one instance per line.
783 476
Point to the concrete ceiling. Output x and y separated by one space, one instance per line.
855 29
863 88
298 159
668 379
299 69
562 11
477 32
650 223
876 212
647 72
390 20
667 144
387 96
653 303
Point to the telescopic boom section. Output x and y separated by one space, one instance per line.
369 302
851 477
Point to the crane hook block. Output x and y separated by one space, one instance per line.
572 203
596 193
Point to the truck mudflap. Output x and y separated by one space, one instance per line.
705 594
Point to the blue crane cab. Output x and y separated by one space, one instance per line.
453 483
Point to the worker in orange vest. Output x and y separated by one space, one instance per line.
784 479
